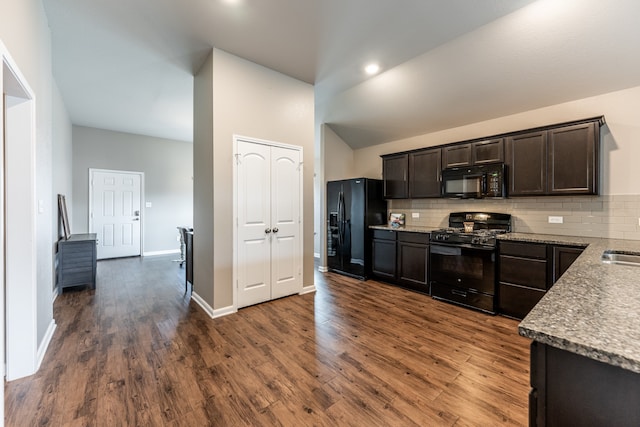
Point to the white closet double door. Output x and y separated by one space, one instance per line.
269 238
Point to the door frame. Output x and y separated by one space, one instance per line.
236 139
19 348
142 200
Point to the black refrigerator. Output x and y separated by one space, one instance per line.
352 206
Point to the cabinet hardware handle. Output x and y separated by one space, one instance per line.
268 230
275 229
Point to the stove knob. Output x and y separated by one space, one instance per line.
475 240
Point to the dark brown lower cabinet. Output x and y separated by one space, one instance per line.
563 257
526 271
383 258
412 259
401 257
568 389
522 275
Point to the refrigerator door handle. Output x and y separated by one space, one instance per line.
340 218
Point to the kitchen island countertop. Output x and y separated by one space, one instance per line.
594 309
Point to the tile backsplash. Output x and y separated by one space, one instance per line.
613 216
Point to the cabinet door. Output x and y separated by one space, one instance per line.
491 151
456 155
526 156
563 257
572 160
412 265
395 171
384 258
425 173
413 260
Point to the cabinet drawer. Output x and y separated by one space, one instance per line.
407 236
523 271
517 301
463 297
384 234
528 250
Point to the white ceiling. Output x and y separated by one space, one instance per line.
128 65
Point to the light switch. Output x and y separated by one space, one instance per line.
148 204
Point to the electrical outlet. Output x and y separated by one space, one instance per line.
415 214
556 220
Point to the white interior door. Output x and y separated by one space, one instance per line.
115 212
254 223
286 262
268 261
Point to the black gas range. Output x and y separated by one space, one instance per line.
462 259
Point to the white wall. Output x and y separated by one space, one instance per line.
168 174
62 157
25 33
203 236
252 101
339 158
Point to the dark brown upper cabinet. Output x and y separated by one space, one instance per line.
556 161
489 151
395 173
473 153
425 168
526 157
457 155
559 159
573 164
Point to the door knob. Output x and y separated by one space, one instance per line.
275 229
268 230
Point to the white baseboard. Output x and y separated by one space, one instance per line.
202 303
46 340
210 310
156 253
323 269
224 311
308 289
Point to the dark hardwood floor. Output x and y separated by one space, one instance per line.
136 352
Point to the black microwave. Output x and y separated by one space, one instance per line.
474 182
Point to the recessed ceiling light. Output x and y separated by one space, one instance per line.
372 68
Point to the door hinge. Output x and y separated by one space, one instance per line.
237 156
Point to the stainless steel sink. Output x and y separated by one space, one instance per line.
621 257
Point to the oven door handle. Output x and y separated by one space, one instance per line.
440 247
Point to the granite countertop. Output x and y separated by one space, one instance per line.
594 308
412 229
